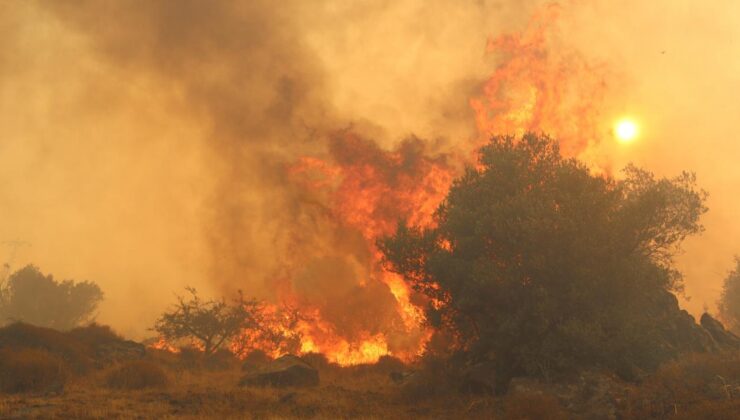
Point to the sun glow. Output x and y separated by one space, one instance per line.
626 130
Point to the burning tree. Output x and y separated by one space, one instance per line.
210 323
547 266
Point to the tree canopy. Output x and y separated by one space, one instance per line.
38 299
729 301
545 265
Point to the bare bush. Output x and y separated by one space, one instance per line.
209 323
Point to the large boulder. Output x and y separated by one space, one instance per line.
677 330
286 371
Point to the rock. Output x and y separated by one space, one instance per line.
725 339
286 371
678 332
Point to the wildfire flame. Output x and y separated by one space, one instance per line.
364 189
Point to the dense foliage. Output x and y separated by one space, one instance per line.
544 266
729 301
38 299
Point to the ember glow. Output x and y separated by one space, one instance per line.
364 191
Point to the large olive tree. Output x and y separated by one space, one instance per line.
545 265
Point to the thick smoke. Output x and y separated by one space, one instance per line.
149 145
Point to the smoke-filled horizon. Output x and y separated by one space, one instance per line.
148 146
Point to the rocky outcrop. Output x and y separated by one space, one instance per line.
677 331
286 371
725 339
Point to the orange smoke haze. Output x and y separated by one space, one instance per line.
265 147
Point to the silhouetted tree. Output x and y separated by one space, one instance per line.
729 301
212 323
545 265
35 298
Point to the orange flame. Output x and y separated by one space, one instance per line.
543 86
365 189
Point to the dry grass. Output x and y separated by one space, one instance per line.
361 392
31 370
137 374
204 394
533 407
703 383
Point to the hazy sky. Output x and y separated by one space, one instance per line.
144 143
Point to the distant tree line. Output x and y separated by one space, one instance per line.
729 301
542 266
32 297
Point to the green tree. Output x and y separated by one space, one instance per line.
729 301
545 265
38 299
211 323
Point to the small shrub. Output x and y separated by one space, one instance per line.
384 367
95 335
715 410
137 374
78 355
31 370
221 359
318 361
533 407
433 379
387 364
163 358
190 357
257 357
255 360
686 385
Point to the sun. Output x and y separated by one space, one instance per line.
626 130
